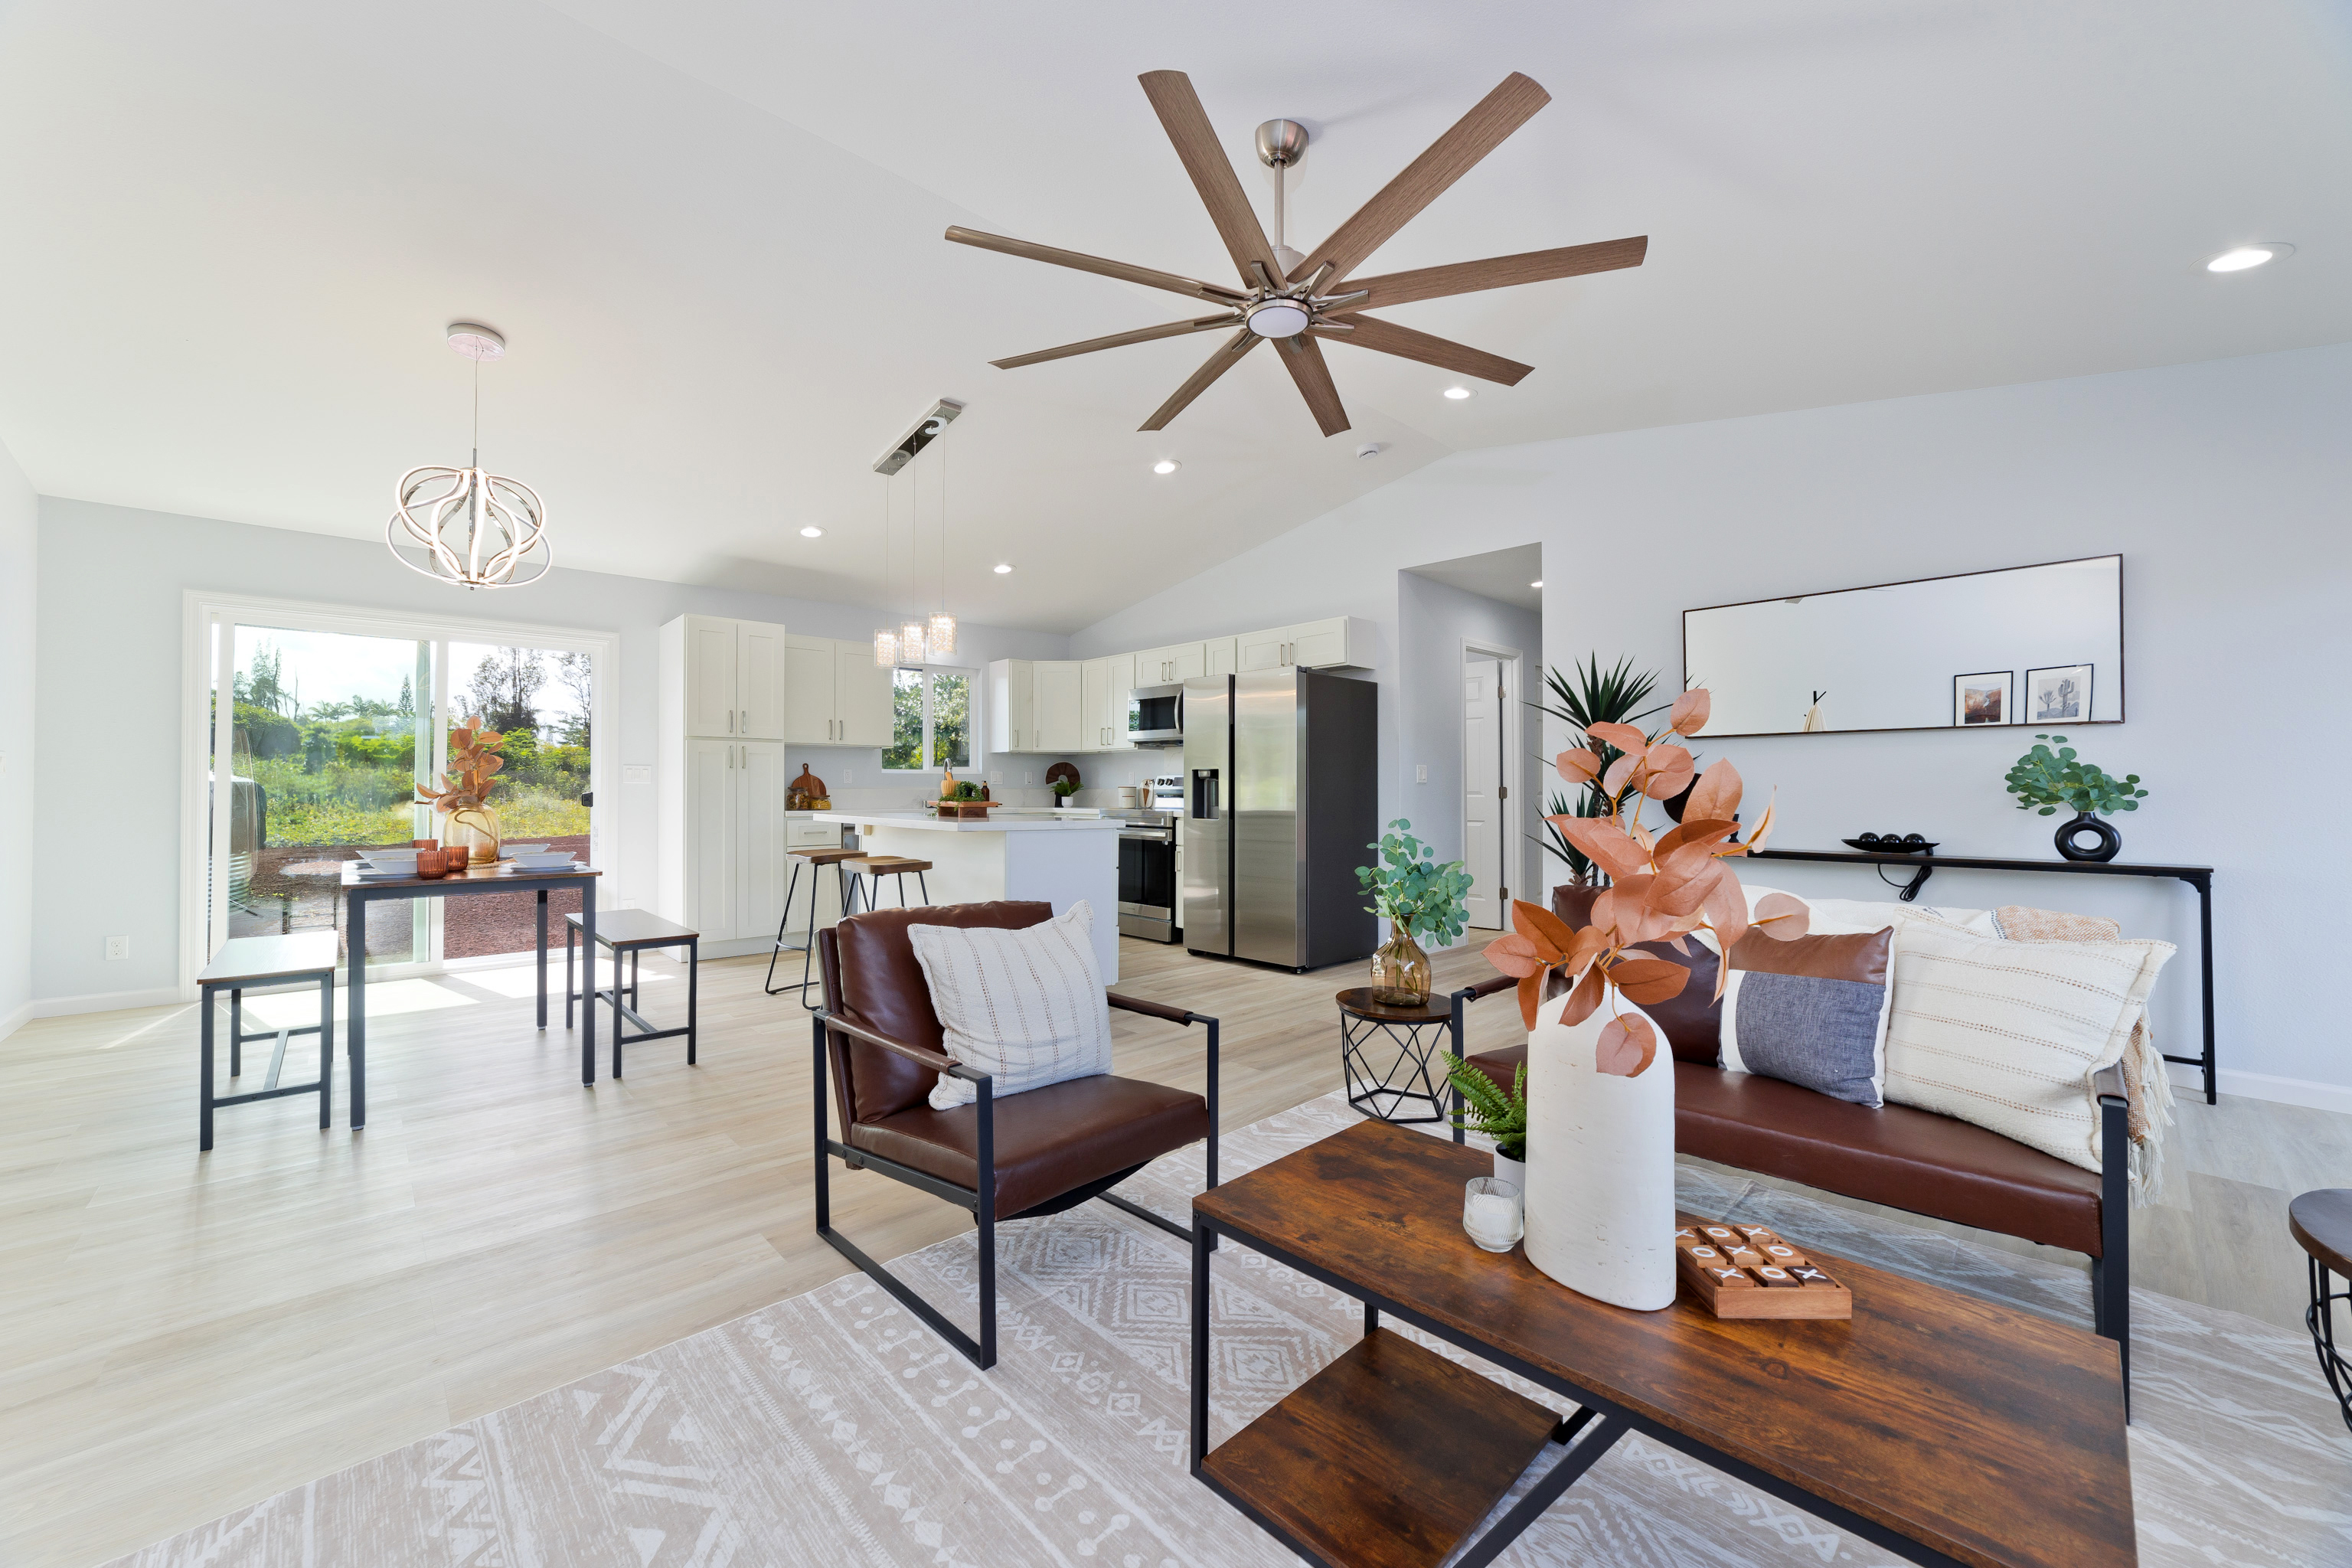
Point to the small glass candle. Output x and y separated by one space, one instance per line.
432 864
1493 1214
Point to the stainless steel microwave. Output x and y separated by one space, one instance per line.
1155 716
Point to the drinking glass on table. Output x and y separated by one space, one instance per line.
1493 1213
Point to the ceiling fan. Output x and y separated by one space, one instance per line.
1296 299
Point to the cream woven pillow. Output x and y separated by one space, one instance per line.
1025 1005
2007 1035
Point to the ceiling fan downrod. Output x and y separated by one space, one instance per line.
1281 143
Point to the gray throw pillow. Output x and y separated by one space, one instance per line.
1821 1034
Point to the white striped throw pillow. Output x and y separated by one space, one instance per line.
1026 1007
2007 1035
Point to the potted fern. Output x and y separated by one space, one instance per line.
1501 1117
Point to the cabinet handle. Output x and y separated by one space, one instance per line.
731 721
747 721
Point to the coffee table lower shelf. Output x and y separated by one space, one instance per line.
1389 1456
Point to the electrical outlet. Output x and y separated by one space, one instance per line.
1028 778
1421 773
117 947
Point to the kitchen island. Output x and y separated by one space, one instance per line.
1050 857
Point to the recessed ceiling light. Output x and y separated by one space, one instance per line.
811 533
1003 567
1536 583
2249 255
1457 393
1166 466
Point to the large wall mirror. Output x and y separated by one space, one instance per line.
2028 645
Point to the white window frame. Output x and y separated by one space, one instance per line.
972 685
208 617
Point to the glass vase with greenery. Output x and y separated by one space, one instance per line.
1585 696
1418 897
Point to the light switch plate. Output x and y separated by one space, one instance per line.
1421 773
636 773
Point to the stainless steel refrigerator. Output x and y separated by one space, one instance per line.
1281 801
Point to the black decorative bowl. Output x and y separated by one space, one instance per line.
1891 844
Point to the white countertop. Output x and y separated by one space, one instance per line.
925 822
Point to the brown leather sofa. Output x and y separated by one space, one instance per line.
1897 1156
1031 1154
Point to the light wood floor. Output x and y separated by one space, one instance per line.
184 1334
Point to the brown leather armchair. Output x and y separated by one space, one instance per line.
1030 1155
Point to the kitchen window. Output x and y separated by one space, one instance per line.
930 719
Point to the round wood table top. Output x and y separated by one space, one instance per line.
2322 1223
1358 1000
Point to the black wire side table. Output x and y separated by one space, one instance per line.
1389 1052
2322 1224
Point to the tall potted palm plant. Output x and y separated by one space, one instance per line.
1583 697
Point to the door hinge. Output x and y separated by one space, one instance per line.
1502 792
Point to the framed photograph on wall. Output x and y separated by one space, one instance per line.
1987 698
2059 694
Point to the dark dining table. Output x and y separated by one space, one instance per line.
359 893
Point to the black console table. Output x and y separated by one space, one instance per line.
2198 876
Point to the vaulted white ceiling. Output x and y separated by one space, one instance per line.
230 236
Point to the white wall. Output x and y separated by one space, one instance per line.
2224 484
1434 621
19 560
105 854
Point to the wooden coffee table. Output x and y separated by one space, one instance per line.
1935 1426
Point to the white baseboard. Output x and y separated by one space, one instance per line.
103 1002
12 1022
2302 1091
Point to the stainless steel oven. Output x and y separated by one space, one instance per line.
1155 716
1147 875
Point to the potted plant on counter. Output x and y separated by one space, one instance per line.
2048 780
1501 1117
1417 897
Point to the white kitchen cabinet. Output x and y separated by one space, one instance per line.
1105 686
835 695
1061 723
1224 656
862 696
720 799
1167 666
808 692
734 674
1339 642
1012 705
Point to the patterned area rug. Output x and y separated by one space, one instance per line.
833 1428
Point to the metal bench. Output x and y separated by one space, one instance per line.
244 961
628 932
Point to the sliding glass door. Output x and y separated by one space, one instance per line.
326 732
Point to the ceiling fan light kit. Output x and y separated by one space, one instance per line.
468 526
1298 299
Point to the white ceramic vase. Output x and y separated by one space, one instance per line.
1601 1166
1511 1171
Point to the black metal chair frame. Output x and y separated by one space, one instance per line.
323 1085
2321 1321
807 950
2110 1272
981 1352
628 1010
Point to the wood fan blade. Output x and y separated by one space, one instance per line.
1303 357
1122 270
1116 341
1388 338
1227 356
1497 272
1186 124
1447 159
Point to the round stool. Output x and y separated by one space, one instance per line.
816 861
876 867
2321 1223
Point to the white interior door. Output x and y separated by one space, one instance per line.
1481 780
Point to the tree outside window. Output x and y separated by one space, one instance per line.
930 720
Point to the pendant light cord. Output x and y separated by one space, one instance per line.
478 413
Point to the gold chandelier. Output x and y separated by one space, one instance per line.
467 526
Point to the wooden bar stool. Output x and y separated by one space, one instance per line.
627 933
816 860
243 961
873 869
